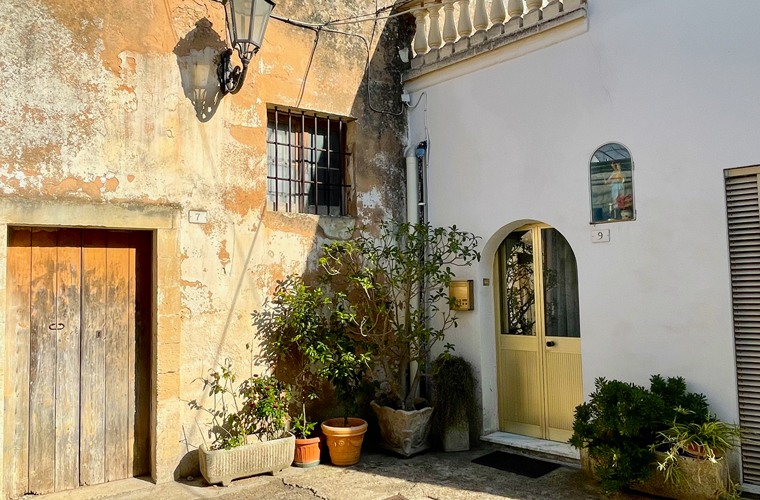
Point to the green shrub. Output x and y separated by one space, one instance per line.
622 421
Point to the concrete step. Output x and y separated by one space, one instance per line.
551 451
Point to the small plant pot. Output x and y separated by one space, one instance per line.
307 452
344 443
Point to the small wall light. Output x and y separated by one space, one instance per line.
246 23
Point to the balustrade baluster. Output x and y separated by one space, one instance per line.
515 8
533 4
534 13
434 35
449 24
481 16
420 40
464 28
498 14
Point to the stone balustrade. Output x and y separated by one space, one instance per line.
439 32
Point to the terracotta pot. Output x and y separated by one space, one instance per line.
307 452
344 443
404 432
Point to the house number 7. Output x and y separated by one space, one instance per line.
600 235
197 217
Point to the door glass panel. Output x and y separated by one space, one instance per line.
518 298
560 286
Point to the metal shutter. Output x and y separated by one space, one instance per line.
744 250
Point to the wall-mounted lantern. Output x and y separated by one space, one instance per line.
246 23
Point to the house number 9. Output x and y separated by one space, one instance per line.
600 235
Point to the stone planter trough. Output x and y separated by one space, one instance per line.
404 432
703 480
222 466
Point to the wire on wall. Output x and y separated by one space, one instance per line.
322 27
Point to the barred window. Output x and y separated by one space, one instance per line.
306 162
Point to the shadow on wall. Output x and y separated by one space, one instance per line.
378 162
198 54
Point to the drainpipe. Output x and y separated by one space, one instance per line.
412 217
415 212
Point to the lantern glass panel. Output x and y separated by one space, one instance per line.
228 6
243 19
261 17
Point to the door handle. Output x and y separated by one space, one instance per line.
56 326
550 343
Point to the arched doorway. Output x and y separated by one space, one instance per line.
538 333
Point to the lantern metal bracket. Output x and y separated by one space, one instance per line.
231 78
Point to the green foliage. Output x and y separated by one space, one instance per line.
709 440
305 330
396 294
621 423
301 427
257 406
454 389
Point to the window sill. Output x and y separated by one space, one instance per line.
334 227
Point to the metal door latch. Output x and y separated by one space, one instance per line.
56 326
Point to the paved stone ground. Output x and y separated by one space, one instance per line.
431 476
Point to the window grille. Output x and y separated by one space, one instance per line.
306 162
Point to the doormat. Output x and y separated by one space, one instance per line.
518 464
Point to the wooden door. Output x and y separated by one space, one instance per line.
75 326
540 381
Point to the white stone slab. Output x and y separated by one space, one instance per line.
533 444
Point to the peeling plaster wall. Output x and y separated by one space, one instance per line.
115 102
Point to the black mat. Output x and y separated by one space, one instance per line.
518 464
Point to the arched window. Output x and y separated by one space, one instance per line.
612 184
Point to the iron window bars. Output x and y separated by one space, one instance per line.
306 162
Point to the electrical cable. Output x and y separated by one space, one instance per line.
308 67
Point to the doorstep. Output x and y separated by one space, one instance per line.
550 450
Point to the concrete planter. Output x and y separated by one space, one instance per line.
222 466
457 437
404 432
703 480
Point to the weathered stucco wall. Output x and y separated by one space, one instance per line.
100 104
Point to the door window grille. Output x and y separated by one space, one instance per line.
306 162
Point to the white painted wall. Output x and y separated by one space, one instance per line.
677 83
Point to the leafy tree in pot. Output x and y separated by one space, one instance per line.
303 332
396 295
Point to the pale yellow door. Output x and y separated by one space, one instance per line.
538 332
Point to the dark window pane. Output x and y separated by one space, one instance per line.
560 286
517 285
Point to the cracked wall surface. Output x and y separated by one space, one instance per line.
117 103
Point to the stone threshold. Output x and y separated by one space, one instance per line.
486 41
551 450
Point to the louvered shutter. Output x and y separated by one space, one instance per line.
744 250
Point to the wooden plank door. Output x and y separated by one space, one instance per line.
17 332
76 413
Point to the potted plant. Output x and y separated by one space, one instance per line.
631 437
695 449
396 291
308 449
248 427
455 405
303 333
